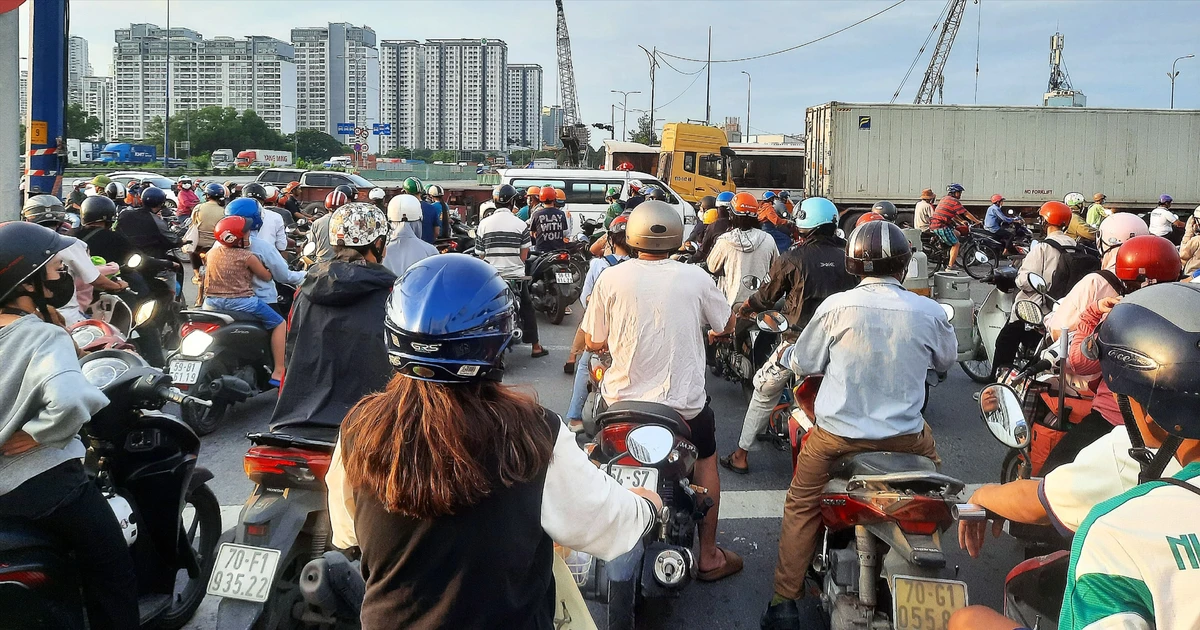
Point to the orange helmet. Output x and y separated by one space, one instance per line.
1055 213
744 205
1148 257
867 218
547 195
335 200
560 195
534 192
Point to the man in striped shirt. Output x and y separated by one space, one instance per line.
502 239
946 217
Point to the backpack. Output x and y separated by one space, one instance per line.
1074 262
1113 281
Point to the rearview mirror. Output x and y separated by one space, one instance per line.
650 443
1001 411
771 321
1029 312
134 261
1038 283
310 248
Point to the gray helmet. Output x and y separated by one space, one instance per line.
655 226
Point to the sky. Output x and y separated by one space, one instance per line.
1118 53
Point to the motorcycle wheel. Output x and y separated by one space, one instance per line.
204 420
618 611
202 534
559 309
975 269
1010 468
979 370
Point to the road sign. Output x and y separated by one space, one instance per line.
382 129
358 147
38 132
345 129
362 132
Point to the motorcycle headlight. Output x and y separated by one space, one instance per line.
195 344
102 372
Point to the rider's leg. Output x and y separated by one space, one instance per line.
769 383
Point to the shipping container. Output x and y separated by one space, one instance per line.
263 157
858 154
125 153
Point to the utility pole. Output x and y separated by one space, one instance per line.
625 113
9 113
167 118
1174 74
749 84
708 84
47 98
653 65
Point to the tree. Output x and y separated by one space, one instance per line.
644 133
213 128
444 156
397 153
80 125
316 146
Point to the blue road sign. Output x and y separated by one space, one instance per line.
381 129
345 129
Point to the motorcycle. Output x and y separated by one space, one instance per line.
977 351
144 462
282 527
555 283
600 362
460 237
223 357
739 356
979 250
91 335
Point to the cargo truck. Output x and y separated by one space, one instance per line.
263 157
858 154
82 151
125 153
221 158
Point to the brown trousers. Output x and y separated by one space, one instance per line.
802 510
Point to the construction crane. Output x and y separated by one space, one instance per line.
573 133
937 63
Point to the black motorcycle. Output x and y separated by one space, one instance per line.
557 281
979 252
458 239
144 461
223 357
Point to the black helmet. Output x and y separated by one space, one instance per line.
44 210
255 190
887 209
504 195
98 208
654 193
1148 351
708 202
350 191
115 191
24 249
234 190
153 197
877 248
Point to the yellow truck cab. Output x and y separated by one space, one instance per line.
694 160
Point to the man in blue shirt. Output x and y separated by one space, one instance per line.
999 222
431 221
548 227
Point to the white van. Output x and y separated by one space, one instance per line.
586 189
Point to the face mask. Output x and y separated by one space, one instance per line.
61 291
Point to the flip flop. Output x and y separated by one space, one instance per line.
538 355
727 462
274 382
733 564
575 426
569 367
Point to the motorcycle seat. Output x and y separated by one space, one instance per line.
19 534
641 412
226 317
297 436
880 463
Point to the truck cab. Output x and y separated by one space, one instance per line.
694 160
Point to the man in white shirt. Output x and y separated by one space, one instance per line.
502 239
924 210
1163 222
650 312
273 229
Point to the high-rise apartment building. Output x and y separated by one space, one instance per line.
257 73
337 78
24 94
524 107
552 119
98 98
465 94
402 94
77 68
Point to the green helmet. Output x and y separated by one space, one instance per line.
413 186
100 181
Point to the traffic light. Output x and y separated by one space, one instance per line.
603 126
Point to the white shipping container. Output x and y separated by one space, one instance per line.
860 153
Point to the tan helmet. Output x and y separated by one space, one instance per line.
655 226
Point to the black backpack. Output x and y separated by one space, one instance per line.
1074 262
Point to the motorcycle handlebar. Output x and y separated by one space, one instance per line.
969 512
1033 369
174 395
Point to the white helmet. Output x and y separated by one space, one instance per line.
635 185
434 191
404 208
1119 228
1074 200
377 194
357 225
486 209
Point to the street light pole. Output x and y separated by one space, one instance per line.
653 65
167 118
612 123
749 84
625 113
1174 74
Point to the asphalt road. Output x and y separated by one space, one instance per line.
751 506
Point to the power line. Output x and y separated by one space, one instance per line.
780 52
681 71
685 90
920 52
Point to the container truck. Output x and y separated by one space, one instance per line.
82 151
221 158
858 154
263 157
125 153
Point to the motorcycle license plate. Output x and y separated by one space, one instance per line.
636 477
563 277
926 603
243 572
185 372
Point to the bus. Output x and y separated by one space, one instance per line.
757 167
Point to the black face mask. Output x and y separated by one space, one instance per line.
60 290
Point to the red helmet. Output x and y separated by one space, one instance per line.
1055 213
867 218
335 200
1148 257
560 195
547 194
744 205
997 198
231 231
272 195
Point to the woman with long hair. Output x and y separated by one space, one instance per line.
454 486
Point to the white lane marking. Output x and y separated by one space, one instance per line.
229 516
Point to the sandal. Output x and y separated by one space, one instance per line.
733 564
727 462
575 426
569 367
538 355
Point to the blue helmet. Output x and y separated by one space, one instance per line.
954 188
725 199
213 190
248 208
153 197
767 196
815 211
449 320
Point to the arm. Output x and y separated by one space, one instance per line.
595 319
944 348
277 266
810 354
1088 321
341 501
68 399
1016 501
597 248
779 284
258 269
1035 262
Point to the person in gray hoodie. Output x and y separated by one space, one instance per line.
405 247
46 401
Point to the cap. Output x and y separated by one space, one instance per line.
927 193
1098 197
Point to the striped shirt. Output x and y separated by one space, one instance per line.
948 210
1135 563
499 240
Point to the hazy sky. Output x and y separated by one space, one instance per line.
1117 52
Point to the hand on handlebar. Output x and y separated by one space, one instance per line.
714 335
174 395
646 493
972 533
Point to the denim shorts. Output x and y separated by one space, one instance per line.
253 305
948 235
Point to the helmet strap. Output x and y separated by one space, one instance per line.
1152 464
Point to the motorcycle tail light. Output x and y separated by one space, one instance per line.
598 372
563 255
612 440
913 514
205 327
28 579
271 465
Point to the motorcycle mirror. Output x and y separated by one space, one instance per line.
1029 312
753 283
471 232
840 233
144 313
949 311
1038 283
771 321
980 257
1000 409
302 223
650 443
134 261
310 248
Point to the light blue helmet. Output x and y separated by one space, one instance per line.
725 199
815 211
769 195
